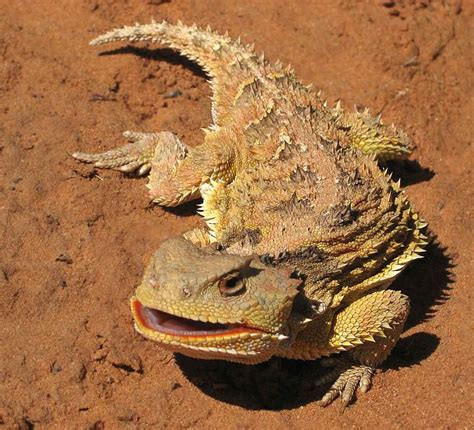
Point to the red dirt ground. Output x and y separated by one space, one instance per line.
74 239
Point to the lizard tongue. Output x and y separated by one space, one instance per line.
167 323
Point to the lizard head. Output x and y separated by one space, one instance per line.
210 304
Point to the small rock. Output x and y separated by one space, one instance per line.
64 258
175 386
3 276
56 367
81 373
93 219
128 416
28 145
96 97
26 424
98 425
173 94
52 221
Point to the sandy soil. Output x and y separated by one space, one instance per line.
74 239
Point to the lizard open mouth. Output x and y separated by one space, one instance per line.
163 322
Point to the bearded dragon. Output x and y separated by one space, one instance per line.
304 232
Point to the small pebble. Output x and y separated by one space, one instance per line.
56 367
173 94
64 258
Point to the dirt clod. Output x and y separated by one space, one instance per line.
64 258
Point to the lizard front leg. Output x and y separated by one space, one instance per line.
159 154
176 171
368 328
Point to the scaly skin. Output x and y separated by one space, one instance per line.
285 177
185 273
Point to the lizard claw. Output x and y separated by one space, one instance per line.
134 157
349 378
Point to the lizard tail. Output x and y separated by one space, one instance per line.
212 51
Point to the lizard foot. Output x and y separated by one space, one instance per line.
349 376
134 157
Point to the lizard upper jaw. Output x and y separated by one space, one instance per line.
166 323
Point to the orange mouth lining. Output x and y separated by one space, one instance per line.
165 323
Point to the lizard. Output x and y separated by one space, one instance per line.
286 178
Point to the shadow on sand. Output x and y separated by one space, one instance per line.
281 384
160 54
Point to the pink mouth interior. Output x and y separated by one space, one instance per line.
166 323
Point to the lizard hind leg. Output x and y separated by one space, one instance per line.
368 329
372 136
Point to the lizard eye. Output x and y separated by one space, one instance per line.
231 285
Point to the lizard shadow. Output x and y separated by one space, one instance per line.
184 210
427 283
280 384
409 171
160 54
187 209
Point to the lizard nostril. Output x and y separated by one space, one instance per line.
186 292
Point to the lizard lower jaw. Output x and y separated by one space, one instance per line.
178 327
205 340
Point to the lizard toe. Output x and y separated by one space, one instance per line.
350 377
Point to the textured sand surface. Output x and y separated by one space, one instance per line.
74 239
